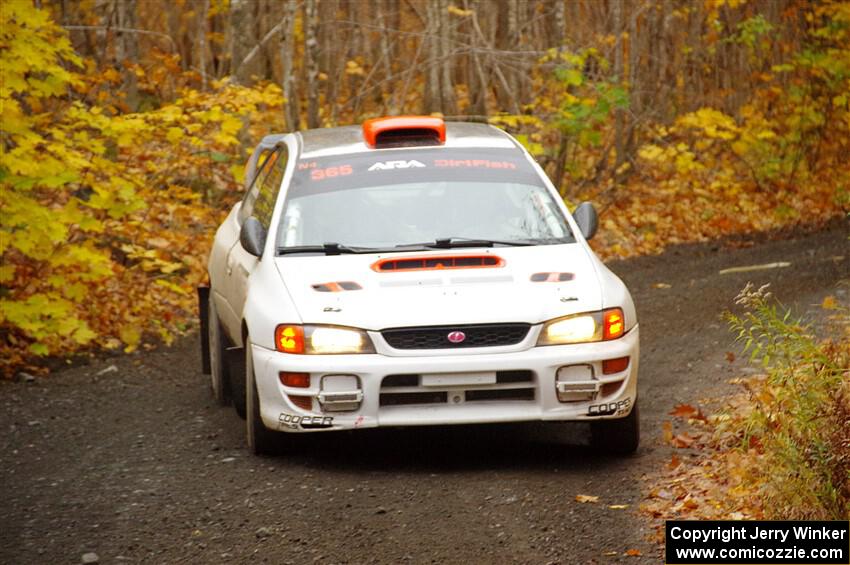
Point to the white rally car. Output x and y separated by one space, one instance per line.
413 272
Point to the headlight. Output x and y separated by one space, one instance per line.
321 340
583 328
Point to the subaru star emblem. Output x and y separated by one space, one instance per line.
456 337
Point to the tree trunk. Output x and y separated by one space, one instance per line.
619 114
559 23
128 50
386 51
311 61
635 79
202 42
287 56
477 79
432 99
332 59
242 39
447 94
661 100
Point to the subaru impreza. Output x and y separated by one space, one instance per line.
413 272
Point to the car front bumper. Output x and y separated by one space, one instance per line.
435 389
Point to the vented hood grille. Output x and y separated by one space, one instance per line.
437 263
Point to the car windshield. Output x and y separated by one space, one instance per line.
408 202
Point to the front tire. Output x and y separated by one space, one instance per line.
218 368
617 437
261 440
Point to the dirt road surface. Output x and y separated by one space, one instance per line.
129 458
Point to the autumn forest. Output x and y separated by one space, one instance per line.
126 124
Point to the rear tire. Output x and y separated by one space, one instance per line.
261 440
218 368
617 437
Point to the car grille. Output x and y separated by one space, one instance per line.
405 390
437 337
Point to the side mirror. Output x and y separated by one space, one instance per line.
253 236
587 219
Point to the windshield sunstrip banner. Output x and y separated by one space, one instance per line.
358 170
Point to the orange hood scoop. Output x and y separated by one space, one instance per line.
432 263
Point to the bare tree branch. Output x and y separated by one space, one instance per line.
125 30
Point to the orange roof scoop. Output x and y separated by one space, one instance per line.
403 131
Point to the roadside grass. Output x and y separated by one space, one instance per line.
780 447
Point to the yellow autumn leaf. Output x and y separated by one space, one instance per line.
650 152
174 134
83 334
7 273
353 68
131 337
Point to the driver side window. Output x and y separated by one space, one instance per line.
266 165
269 187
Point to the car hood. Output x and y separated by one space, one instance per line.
472 295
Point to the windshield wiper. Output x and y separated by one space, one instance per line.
340 249
326 248
456 242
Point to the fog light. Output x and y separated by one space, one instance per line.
340 393
576 383
611 366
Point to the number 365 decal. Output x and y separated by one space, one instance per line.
330 172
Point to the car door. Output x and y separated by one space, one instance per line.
260 203
226 237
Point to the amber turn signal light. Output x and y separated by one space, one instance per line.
289 339
297 380
611 366
613 323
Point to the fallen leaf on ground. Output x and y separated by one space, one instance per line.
661 285
610 553
585 498
682 440
730 356
688 412
667 431
663 494
633 552
159 242
618 506
674 462
684 411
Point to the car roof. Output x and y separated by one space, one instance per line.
349 139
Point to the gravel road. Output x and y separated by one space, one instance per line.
129 459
